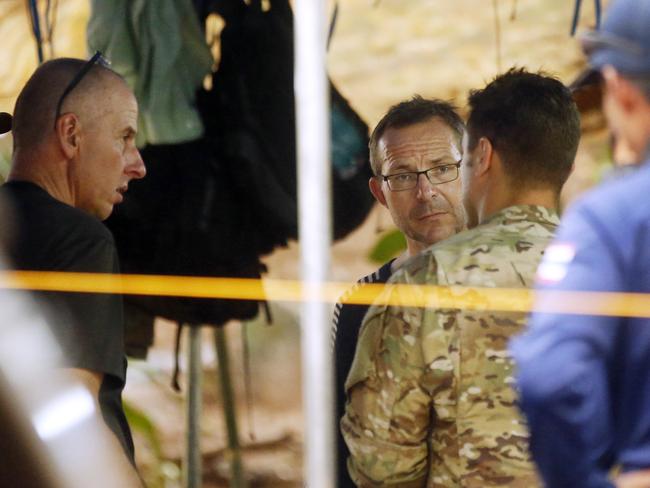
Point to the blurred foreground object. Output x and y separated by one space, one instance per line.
52 433
584 379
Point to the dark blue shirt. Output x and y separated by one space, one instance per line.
584 380
345 329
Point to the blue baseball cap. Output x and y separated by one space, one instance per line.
623 40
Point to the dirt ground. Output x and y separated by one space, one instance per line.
383 51
270 418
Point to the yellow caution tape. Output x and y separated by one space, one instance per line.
455 297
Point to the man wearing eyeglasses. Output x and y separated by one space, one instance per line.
74 154
415 151
430 396
585 379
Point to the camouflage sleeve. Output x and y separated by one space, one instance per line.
388 411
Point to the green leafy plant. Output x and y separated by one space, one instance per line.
389 245
5 157
140 422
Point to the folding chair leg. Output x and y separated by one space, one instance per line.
192 466
236 467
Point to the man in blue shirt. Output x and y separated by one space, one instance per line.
584 380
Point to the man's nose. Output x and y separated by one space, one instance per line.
425 189
136 168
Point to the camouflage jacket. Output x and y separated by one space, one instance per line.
430 397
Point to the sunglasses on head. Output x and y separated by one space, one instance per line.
96 58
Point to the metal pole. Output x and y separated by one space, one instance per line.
193 470
237 471
314 196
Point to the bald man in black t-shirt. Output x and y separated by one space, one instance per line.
74 154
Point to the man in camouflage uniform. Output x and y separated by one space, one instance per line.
416 135
430 396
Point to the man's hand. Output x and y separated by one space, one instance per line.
634 479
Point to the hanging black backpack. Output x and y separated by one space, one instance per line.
249 115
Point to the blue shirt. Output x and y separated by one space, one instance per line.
585 380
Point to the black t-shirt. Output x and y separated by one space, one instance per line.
48 235
346 324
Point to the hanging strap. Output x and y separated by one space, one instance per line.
335 16
576 15
50 22
597 8
513 11
177 347
36 29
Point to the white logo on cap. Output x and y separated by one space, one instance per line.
557 258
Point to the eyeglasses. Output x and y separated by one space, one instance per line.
437 175
97 58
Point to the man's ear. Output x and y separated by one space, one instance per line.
610 78
374 183
484 154
67 131
621 90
